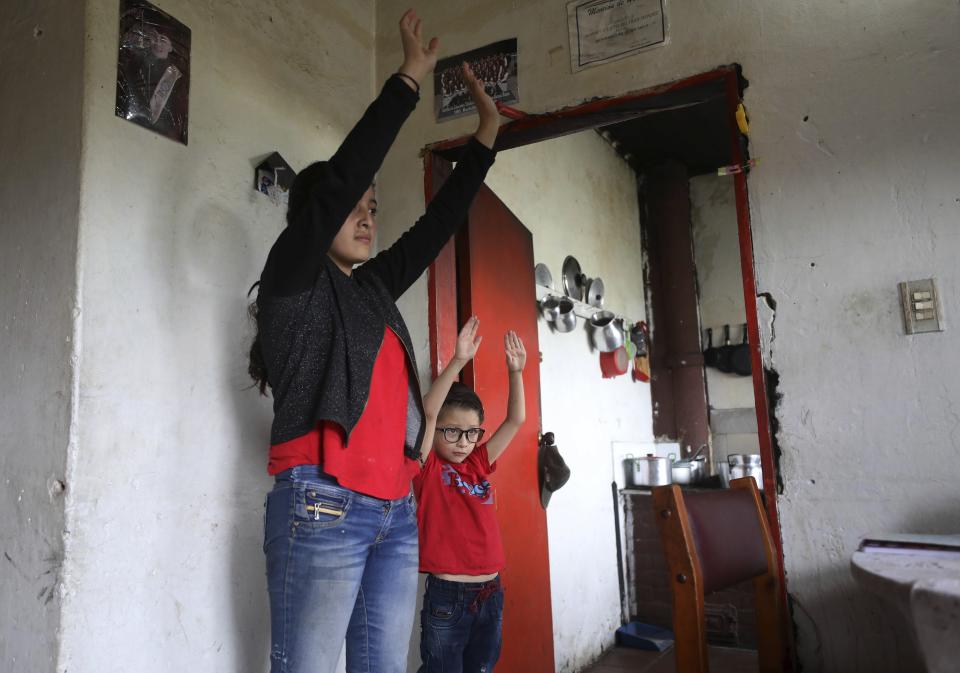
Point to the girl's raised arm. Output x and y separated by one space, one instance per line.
324 193
406 260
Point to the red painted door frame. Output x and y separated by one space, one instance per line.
534 128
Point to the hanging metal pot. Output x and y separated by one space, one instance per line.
566 319
550 308
606 333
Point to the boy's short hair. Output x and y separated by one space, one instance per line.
462 397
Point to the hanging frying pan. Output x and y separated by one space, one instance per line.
740 357
725 352
710 353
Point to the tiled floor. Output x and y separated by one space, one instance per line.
722 660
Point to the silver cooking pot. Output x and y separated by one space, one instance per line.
746 465
687 471
606 333
566 319
647 470
550 308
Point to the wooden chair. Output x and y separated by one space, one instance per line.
713 540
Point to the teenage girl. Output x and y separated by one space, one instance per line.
341 529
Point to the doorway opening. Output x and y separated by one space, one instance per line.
669 136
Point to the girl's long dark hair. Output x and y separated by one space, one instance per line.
256 367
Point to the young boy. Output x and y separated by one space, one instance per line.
460 543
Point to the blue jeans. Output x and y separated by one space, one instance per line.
340 566
460 626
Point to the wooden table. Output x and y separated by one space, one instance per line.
926 589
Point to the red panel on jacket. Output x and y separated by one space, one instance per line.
373 463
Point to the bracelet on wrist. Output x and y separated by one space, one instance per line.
416 84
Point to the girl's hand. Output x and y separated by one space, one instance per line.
417 60
516 353
468 342
489 117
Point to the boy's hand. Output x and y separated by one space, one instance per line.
417 59
486 108
516 354
467 341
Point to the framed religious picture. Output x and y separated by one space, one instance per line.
153 70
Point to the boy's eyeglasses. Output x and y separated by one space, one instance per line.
453 435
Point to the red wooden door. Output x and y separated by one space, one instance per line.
495 277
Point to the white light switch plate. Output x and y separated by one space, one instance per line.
920 302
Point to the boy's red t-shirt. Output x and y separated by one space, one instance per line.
456 512
374 462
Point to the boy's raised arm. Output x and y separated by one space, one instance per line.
467 344
516 406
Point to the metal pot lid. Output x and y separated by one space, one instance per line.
595 293
543 276
573 278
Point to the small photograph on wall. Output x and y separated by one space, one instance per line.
495 65
153 70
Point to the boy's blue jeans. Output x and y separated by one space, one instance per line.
340 566
460 626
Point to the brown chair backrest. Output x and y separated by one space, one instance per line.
728 537
713 540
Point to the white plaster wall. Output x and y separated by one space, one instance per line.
165 570
865 189
41 48
577 197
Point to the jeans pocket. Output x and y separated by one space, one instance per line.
443 612
320 505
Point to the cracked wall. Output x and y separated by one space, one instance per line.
853 120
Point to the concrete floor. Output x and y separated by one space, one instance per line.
722 660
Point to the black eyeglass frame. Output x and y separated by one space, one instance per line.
448 432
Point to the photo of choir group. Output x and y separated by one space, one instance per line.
495 65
